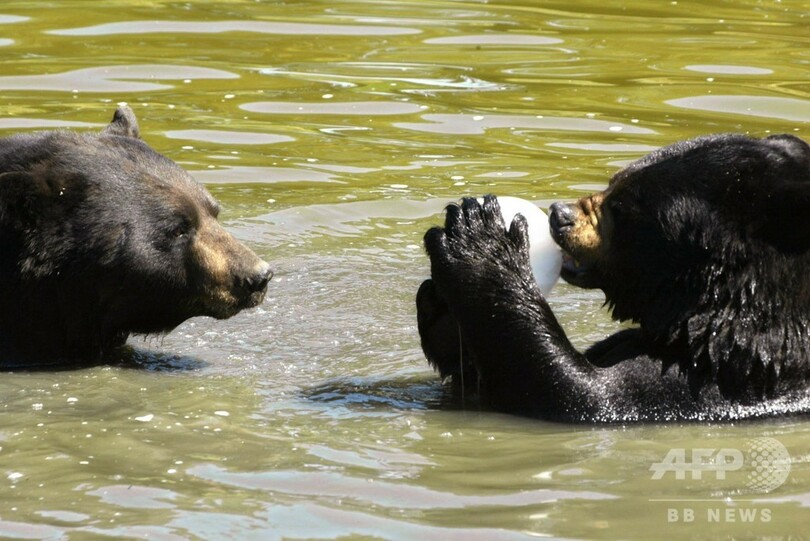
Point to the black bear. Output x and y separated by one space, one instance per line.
704 244
100 237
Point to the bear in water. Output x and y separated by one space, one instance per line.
100 237
704 245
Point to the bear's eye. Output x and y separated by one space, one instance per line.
180 230
615 209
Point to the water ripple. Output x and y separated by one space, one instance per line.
333 108
218 27
468 124
229 137
495 39
21 123
398 495
724 69
792 109
112 78
348 219
13 19
263 175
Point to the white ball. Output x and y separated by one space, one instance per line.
545 255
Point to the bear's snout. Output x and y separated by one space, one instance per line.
233 276
251 284
257 279
560 218
577 231
254 281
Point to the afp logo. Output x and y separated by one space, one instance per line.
765 460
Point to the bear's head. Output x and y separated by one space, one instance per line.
704 241
103 236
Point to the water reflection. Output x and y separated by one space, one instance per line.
12 19
263 175
608 148
112 79
349 218
725 69
792 109
134 496
22 530
217 27
309 519
437 77
19 123
467 124
367 394
392 495
155 361
365 108
495 39
228 137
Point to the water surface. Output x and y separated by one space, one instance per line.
334 133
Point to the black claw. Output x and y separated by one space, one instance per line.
454 219
519 233
519 229
435 240
470 204
472 212
492 211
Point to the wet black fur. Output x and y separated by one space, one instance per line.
709 253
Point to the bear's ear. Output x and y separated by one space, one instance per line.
123 123
791 147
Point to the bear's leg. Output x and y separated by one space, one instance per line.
441 338
524 360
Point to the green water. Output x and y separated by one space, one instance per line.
333 133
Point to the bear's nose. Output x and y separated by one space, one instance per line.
258 281
560 216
